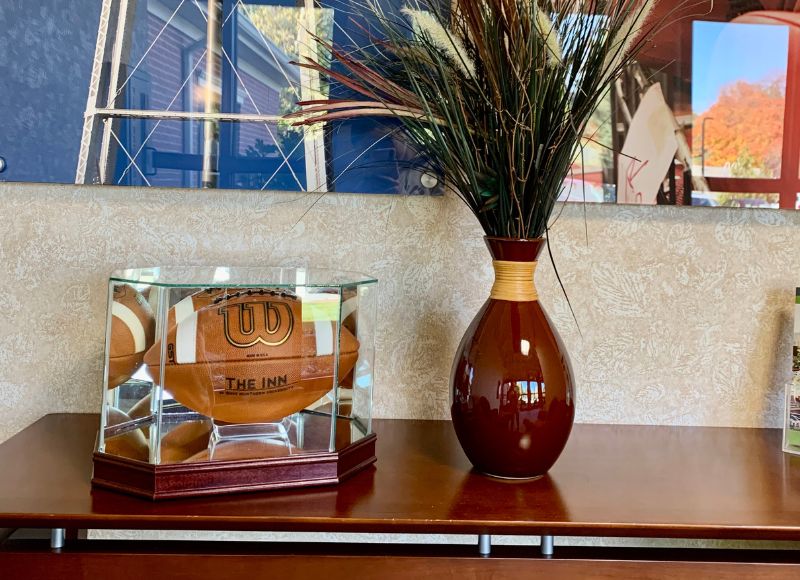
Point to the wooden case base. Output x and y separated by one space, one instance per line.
219 477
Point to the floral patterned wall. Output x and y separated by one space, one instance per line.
685 315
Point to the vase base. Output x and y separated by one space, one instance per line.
511 478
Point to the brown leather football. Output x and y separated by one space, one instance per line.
132 332
185 440
131 444
248 357
195 301
244 450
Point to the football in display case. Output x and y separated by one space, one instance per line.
221 380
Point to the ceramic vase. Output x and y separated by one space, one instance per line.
512 389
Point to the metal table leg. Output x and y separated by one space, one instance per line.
484 544
57 536
547 546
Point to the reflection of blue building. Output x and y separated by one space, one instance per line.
46 49
168 57
163 68
365 155
252 76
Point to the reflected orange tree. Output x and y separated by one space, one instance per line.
744 132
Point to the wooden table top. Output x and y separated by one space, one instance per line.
669 482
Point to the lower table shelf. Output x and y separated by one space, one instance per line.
122 560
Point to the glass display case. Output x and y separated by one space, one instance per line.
225 379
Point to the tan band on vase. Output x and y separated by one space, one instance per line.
513 281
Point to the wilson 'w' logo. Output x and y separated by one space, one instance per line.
267 323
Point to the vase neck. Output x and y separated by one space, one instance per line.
515 250
514 265
513 281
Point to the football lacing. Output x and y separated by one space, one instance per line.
259 292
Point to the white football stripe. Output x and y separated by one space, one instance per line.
323 330
152 298
186 339
348 307
129 319
183 309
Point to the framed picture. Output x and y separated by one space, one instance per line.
791 426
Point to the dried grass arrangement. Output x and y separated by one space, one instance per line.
494 94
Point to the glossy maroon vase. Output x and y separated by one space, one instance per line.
512 388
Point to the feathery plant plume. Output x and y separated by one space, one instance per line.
495 95
627 33
426 23
545 27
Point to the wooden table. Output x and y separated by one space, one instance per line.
615 481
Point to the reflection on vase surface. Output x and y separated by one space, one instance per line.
512 391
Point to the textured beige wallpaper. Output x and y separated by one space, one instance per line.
685 314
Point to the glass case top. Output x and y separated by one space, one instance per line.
240 276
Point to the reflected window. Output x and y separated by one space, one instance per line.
194 94
704 117
738 98
591 175
202 90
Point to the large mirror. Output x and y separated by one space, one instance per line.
192 93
